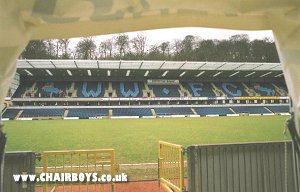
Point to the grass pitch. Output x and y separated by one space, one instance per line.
136 140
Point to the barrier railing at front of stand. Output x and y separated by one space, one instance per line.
100 161
171 167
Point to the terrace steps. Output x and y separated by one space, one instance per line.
279 90
218 92
110 113
183 91
193 110
66 113
72 90
19 114
31 91
232 110
147 91
153 112
268 109
110 91
250 91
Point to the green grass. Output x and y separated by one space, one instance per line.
136 140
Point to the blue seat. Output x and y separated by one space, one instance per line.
251 109
132 112
90 89
165 90
279 109
135 89
199 89
232 89
22 88
10 113
129 89
56 89
174 111
47 112
85 113
264 89
204 111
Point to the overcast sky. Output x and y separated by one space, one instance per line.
160 35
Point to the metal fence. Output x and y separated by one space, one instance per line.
249 167
171 166
101 161
20 162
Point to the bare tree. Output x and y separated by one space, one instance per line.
122 44
63 45
165 49
86 48
176 46
106 48
154 53
139 44
36 49
50 43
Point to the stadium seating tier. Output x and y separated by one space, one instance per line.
95 89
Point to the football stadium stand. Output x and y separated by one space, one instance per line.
10 113
96 89
68 89
169 111
279 109
251 109
85 113
46 112
200 89
207 111
140 112
85 89
127 89
165 90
